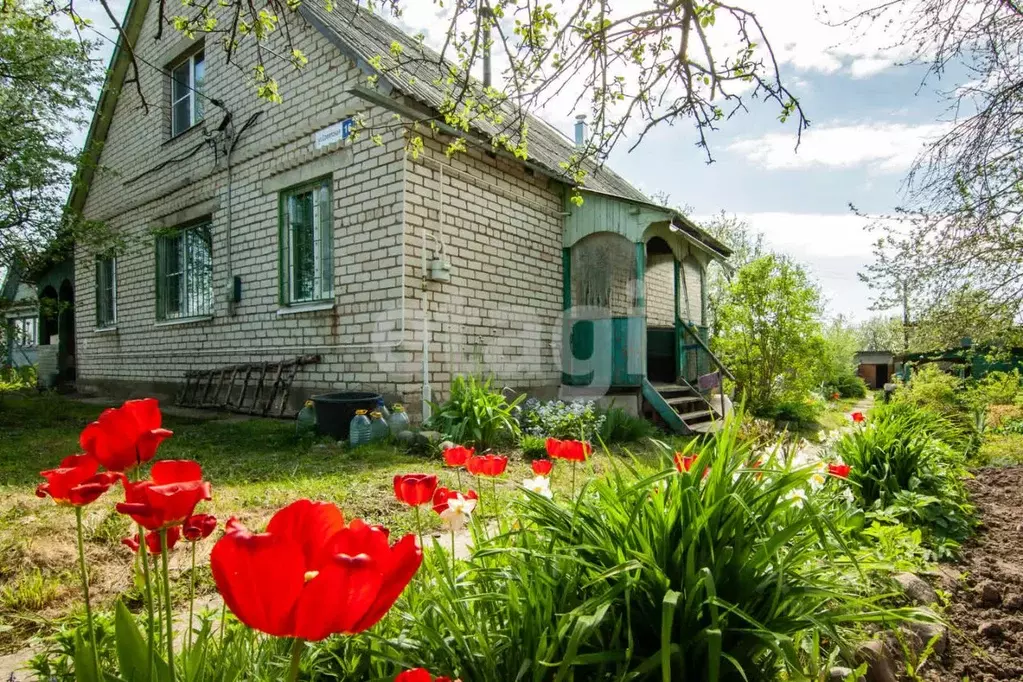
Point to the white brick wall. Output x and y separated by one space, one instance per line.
501 227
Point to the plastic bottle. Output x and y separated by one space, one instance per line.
358 430
398 420
382 409
305 421
378 427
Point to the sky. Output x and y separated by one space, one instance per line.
871 114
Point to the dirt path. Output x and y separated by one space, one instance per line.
986 587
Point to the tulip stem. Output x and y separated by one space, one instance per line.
296 658
167 602
575 465
191 602
85 591
458 471
419 528
452 554
223 625
143 552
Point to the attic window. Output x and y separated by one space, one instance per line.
187 79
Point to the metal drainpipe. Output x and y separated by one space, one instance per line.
427 391
229 281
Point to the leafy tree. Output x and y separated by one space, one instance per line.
881 333
746 244
628 67
960 230
45 80
770 331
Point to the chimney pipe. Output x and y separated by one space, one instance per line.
487 18
580 130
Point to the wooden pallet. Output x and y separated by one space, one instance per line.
260 388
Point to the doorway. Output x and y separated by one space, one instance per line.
659 279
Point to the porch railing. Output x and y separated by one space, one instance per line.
705 356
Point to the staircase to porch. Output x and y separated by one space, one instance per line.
683 408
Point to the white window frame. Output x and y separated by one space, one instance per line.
191 93
21 327
112 322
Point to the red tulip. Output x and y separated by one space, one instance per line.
542 467
199 527
169 498
75 481
415 489
420 675
684 462
443 495
458 456
839 470
571 450
153 540
309 575
486 465
858 417
126 436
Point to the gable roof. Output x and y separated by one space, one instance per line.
366 37
370 37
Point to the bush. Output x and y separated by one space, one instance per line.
17 378
621 427
934 390
997 388
578 419
802 411
475 414
847 385
903 472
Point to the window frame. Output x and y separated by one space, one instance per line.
21 326
101 287
187 309
322 219
195 111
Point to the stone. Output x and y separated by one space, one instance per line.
880 666
923 632
431 436
988 593
916 589
444 445
1013 602
990 630
406 437
841 674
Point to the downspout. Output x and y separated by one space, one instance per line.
229 269
427 391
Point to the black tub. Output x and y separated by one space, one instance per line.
334 411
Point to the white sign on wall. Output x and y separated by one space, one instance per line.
333 133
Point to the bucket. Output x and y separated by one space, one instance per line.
334 411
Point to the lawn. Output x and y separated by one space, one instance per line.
256 466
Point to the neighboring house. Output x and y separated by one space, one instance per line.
257 231
19 320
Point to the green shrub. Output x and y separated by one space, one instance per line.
802 411
475 414
936 391
17 378
621 427
902 472
533 446
958 433
578 419
847 385
996 388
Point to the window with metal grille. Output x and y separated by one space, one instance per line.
186 90
106 292
307 252
184 273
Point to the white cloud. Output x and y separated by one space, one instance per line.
885 148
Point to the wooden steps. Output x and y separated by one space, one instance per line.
692 412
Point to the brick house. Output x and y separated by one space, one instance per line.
255 231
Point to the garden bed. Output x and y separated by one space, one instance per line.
985 589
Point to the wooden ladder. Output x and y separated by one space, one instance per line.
259 388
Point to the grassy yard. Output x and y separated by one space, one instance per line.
256 466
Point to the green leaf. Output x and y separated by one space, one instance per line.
85 660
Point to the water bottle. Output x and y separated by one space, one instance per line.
378 427
382 409
398 420
305 421
358 430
